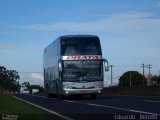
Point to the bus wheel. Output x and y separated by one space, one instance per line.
94 96
59 96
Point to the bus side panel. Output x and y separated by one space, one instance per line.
51 74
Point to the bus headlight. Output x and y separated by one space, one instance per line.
99 91
66 92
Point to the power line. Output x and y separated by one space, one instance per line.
29 72
126 65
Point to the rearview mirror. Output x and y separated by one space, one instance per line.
106 65
60 68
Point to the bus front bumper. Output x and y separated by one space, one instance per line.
82 91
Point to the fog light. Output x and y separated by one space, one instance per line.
99 91
66 92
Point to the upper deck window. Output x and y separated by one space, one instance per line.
80 46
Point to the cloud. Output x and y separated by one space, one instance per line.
33 79
158 4
125 37
120 22
118 32
36 76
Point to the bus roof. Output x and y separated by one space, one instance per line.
73 36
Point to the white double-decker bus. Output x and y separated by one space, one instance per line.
73 65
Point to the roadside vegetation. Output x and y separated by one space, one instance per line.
9 80
18 110
134 83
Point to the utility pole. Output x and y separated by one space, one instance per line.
130 80
149 67
111 74
143 73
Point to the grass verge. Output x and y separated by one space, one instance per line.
11 108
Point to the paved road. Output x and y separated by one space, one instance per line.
103 108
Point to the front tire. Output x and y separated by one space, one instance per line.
59 96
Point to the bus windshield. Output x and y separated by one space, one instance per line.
80 46
83 70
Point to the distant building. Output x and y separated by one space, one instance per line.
158 72
148 78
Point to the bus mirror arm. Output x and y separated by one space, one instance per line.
60 69
106 64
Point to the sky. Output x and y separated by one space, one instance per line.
129 32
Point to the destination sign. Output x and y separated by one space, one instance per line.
82 57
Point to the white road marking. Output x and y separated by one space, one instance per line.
124 109
117 108
71 101
45 109
110 107
151 101
136 96
39 96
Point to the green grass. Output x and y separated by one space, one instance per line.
24 111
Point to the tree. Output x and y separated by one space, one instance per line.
3 77
9 79
132 78
27 84
158 82
41 89
155 80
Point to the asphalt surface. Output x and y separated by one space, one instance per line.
102 108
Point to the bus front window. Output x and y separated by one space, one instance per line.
71 50
80 46
88 70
